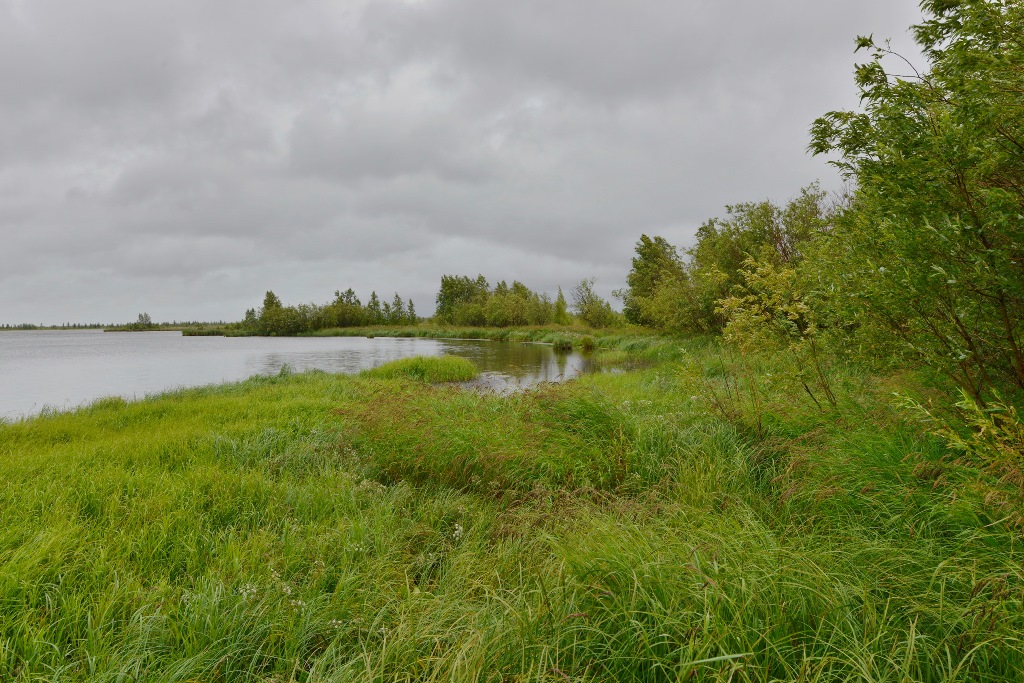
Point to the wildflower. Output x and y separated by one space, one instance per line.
457 534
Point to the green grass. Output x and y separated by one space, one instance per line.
433 370
316 527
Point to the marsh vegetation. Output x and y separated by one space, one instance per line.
810 468
326 527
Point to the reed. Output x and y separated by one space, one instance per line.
317 527
433 370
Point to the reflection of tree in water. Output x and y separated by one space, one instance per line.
507 365
552 368
504 363
354 355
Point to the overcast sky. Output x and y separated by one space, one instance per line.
181 157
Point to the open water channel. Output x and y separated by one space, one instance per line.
64 369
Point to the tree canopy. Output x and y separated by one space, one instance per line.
932 248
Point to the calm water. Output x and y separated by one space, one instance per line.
64 369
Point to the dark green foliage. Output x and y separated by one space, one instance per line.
591 308
346 310
470 302
374 311
276 319
457 295
656 260
143 323
931 252
561 312
562 344
683 294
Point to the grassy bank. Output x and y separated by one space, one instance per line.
436 370
635 341
632 343
333 528
612 347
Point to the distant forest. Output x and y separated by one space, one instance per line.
346 310
921 262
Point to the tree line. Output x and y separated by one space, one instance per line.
921 261
463 300
273 318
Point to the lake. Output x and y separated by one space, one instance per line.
64 369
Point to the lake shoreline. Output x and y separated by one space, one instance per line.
59 369
354 523
573 336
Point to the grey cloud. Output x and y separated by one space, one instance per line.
194 154
619 50
384 144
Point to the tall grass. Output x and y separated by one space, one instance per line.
315 527
427 369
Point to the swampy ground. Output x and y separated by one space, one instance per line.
625 526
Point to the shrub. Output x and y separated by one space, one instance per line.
562 344
988 443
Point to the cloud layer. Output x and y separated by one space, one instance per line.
182 157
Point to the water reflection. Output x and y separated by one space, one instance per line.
64 369
508 366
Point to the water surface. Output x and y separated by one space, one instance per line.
64 369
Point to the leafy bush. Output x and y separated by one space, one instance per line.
681 294
591 308
770 313
989 443
930 250
471 302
